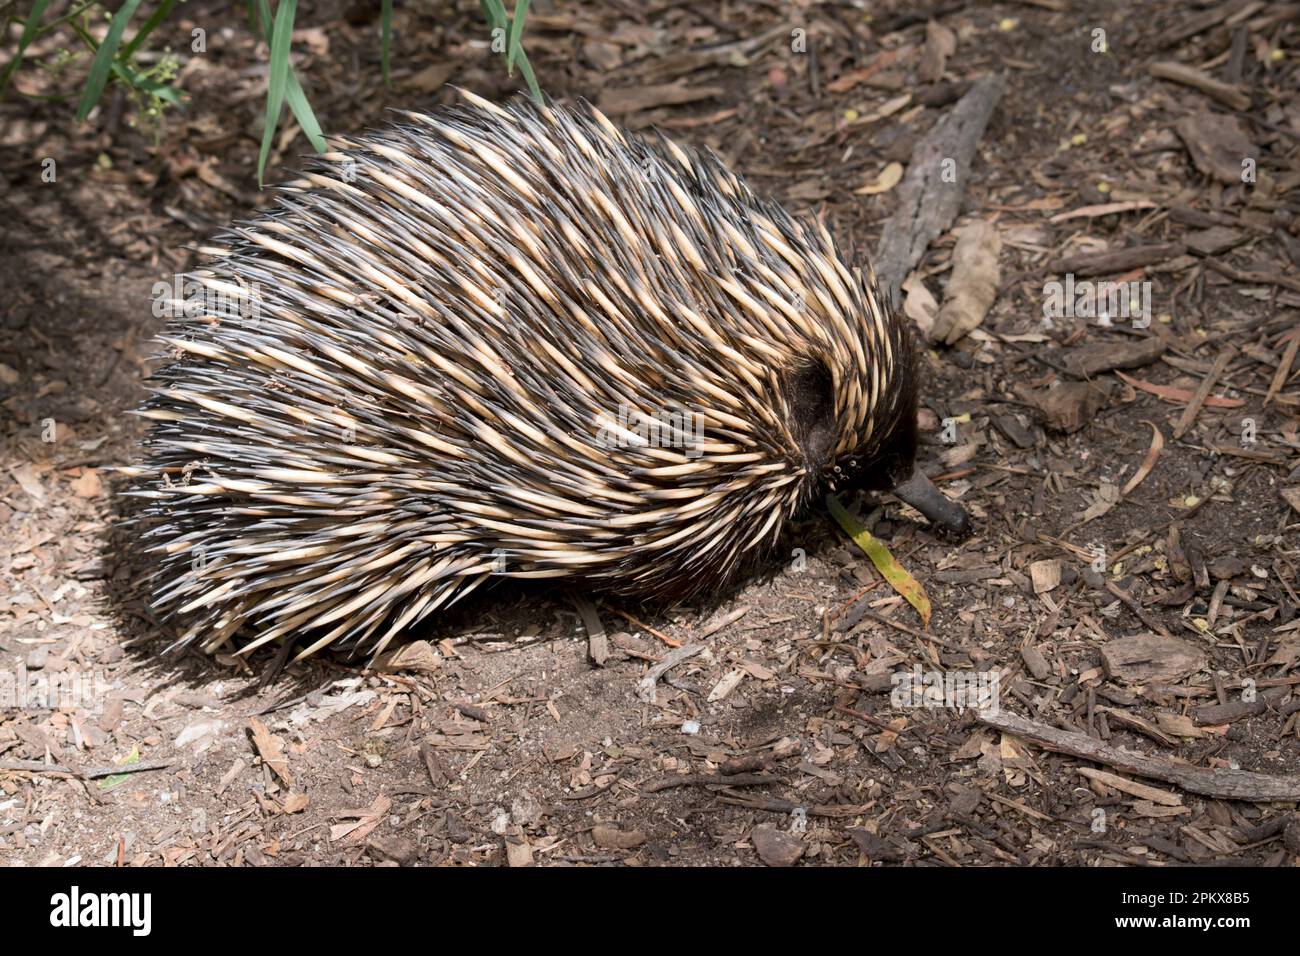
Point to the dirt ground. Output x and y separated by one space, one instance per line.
1158 617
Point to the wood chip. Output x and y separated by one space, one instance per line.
1092 360
1150 658
775 847
725 686
1036 663
1046 575
518 850
613 838
1218 145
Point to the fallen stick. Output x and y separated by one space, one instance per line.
96 772
35 766
1229 96
1119 260
1266 278
597 639
711 780
645 687
928 198
1198 398
1222 784
1215 714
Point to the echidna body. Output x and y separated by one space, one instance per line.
507 341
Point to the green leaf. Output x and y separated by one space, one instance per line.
264 19
115 779
495 12
526 71
163 91
29 32
893 572
302 111
277 78
516 31
303 114
386 39
103 61
150 25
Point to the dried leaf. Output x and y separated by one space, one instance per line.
88 484
1180 396
919 305
940 43
1104 209
367 819
271 750
29 481
974 282
1107 497
1153 453
889 177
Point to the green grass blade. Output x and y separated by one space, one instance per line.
297 99
263 19
157 17
516 31
103 61
526 71
386 39
302 112
29 32
114 779
495 12
277 78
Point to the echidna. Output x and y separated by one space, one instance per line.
507 340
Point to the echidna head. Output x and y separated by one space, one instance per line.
884 464
883 458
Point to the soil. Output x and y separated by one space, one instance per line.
494 739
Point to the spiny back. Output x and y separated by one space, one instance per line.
451 335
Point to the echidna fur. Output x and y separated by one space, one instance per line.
447 317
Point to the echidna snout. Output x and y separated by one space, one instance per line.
946 515
891 466
509 341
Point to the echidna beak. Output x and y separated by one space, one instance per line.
947 516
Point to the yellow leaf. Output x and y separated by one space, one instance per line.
893 572
889 177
